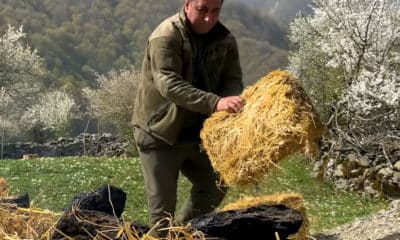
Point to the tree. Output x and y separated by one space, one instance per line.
26 106
113 100
21 72
54 111
349 58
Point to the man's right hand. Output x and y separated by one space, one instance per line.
231 104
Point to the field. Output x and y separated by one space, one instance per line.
52 182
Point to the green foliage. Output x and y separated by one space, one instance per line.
53 182
323 83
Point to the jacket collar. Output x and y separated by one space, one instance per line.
219 30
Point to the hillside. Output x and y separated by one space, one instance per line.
283 11
75 37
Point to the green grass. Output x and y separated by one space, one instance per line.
327 207
53 182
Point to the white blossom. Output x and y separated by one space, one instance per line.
53 111
113 100
21 72
351 46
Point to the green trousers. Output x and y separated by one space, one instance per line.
161 166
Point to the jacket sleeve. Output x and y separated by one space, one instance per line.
166 64
232 79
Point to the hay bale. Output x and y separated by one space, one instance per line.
278 120
290 200
4 189
22 223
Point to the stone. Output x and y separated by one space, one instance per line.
338 173
384 172
356 172
329 170
352 157
396 177
363 162
367 173
390 189
342 183
318 165
356 183
397 166
370 191
331 163
318 169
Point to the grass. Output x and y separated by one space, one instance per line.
327 207
53 182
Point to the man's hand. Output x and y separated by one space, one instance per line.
231 104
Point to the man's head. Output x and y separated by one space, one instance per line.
202 14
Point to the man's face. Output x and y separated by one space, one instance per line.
202 14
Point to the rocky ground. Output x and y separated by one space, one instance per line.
384 225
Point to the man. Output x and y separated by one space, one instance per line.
190 70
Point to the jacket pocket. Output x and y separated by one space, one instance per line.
167 124
159 115
144 141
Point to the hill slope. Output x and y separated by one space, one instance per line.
283 11
75 37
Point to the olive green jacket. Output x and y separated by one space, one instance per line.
166 88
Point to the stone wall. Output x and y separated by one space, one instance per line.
365 171
372 171
82 145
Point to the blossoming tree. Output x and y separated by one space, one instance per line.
25 101
349 59
113 99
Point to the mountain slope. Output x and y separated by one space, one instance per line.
283 11
75 37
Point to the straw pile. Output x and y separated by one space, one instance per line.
177 233
278 120
3 187
20 223
290 200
